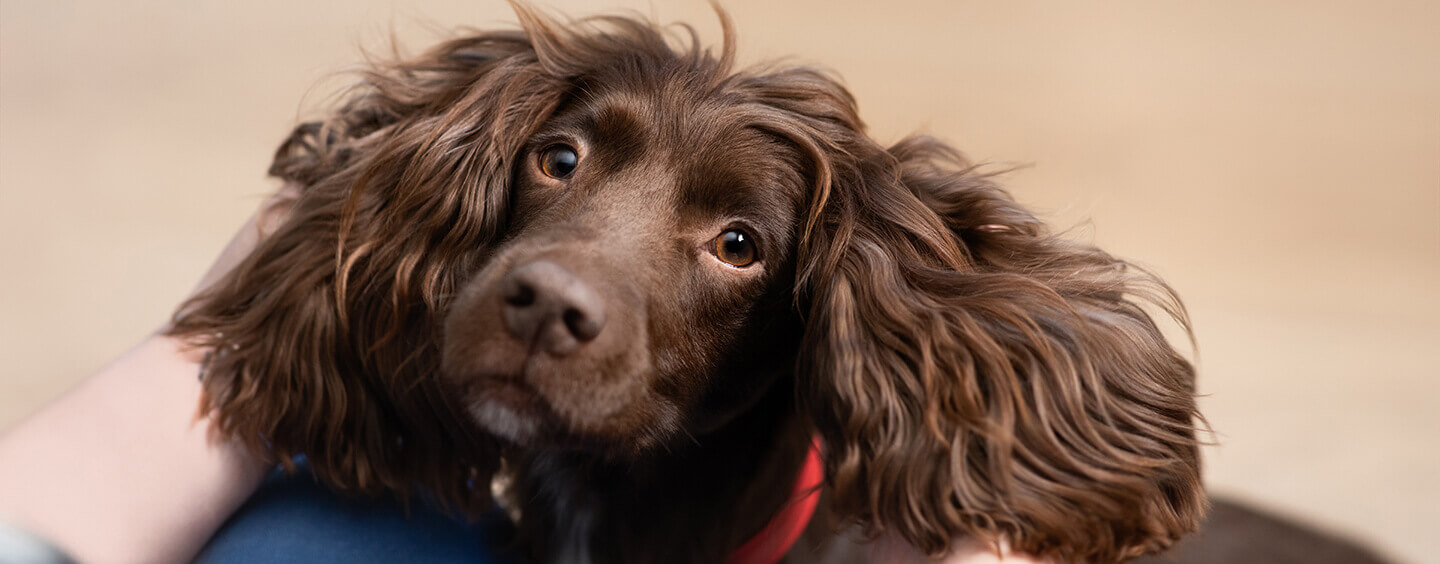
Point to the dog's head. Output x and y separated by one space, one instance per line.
644 284
580 236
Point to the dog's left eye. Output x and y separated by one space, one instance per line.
559 161
735 248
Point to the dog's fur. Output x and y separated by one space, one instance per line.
967 372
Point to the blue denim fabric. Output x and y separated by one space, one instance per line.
293 519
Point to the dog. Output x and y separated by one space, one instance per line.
689 313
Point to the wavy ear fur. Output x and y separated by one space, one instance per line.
326 336
973 374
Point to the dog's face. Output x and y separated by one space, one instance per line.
649 264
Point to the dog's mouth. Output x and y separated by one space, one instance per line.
519 413
508 407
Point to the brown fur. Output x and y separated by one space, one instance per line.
969 372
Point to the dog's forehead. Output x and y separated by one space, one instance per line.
663 115
702 135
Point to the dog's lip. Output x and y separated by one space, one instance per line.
531 410
511 389
507 407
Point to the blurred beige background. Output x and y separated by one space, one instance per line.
1279 162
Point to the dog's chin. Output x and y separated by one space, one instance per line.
509 410
520 415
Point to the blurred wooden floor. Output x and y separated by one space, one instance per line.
1278 162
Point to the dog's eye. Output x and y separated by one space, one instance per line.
735 248
559 161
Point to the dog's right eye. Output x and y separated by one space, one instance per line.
559 161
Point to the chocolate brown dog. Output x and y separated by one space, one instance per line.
647 282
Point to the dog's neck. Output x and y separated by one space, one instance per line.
695 502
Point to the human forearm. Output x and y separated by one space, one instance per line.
120 469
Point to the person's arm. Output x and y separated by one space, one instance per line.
122 468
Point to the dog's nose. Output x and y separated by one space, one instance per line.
547 306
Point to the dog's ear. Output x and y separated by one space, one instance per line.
325 338
973 374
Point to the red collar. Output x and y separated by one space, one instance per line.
773 541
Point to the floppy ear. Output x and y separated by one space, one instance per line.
326 338
972 374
